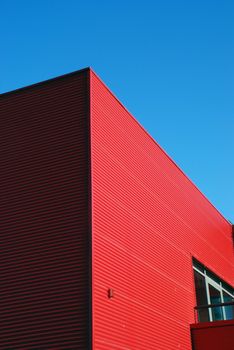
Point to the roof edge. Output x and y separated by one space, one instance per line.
90 70
47 81
158 145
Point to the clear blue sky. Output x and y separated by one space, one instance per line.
171 62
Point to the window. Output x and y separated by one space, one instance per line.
211 290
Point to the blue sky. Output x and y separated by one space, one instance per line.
171 62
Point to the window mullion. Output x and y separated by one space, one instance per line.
208 296
222 300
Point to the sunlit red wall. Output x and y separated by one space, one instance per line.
148 220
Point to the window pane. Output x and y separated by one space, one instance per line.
215 298
200 286
229 310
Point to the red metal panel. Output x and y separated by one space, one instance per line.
214 336
148 220
44 228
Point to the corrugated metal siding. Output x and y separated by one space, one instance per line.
44 227
148 221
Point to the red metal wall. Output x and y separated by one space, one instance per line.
214 336
44 226
148 220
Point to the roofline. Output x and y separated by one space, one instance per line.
45 82
158 145
89 69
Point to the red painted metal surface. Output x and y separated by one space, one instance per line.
148 220
44 227
213 335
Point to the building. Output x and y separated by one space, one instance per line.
105 243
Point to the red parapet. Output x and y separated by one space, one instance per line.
213 335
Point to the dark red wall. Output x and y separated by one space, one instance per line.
44 226
148 221
214 336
